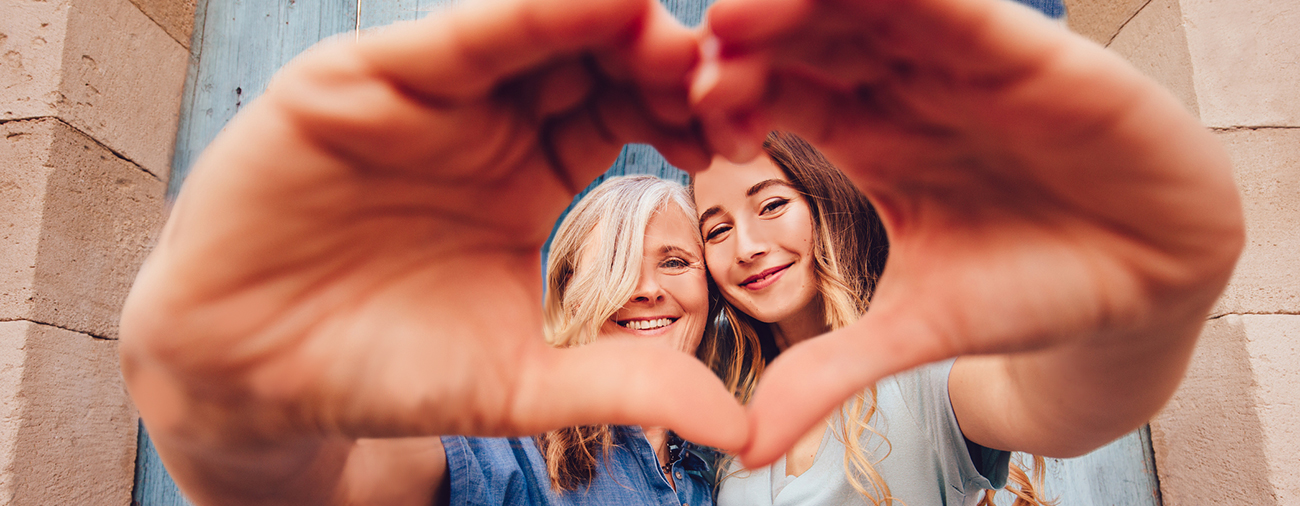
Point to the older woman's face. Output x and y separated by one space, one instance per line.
671 301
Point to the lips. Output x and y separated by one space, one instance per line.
766 278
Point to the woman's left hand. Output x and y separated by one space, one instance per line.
1044 202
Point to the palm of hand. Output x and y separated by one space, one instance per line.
378 272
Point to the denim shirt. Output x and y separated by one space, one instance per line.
511 472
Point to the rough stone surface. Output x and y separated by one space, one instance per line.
67 427
84 220
1209 443
1155 43
1100 20
174 16
1275 356
1246 61
23 156
1267 167
102 66
31 57
122 85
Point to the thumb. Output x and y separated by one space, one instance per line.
811 379
629 383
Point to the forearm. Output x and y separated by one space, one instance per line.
213 449
1066 402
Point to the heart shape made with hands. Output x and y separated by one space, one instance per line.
357 253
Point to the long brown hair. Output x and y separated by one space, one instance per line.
851 248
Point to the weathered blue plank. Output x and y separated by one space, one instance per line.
379 13
1119 474
153 485
238 46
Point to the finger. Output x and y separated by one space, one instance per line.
628 383
811 379
744 22
476 44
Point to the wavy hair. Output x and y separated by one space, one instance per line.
850 247
609 225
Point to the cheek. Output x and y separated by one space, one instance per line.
715 258
691 291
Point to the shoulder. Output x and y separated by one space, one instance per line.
505 471
922 393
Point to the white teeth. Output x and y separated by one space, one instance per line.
647 324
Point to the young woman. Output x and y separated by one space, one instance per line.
796 251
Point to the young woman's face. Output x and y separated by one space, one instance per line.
758 237
671 301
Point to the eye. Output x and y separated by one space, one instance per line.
674 263
773 205
717 232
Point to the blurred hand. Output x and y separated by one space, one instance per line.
357 254
1040 196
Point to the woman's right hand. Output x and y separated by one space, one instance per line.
357 254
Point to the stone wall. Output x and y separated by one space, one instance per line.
1232 432
90 94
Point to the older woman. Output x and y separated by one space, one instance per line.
626 263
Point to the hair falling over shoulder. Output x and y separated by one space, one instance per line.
851 249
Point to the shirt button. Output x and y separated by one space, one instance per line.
679 476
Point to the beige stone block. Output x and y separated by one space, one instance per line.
1246 59
23 155
1100 20
102 66
1208 441
176 17
31 57
123 77
83 222
67 427
1275 357
1266 163
1154 42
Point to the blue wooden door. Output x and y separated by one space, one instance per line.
239 44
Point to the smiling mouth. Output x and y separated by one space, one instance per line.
767 277
653 324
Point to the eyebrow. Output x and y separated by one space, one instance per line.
708 213
763 185
675 249
758 187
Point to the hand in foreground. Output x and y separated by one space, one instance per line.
356 256
1044 201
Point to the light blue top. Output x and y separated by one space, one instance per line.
926 462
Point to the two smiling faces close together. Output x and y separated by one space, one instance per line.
749 230
789 248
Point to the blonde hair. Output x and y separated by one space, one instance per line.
607 229
847 267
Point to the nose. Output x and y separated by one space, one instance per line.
751 244
648 291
